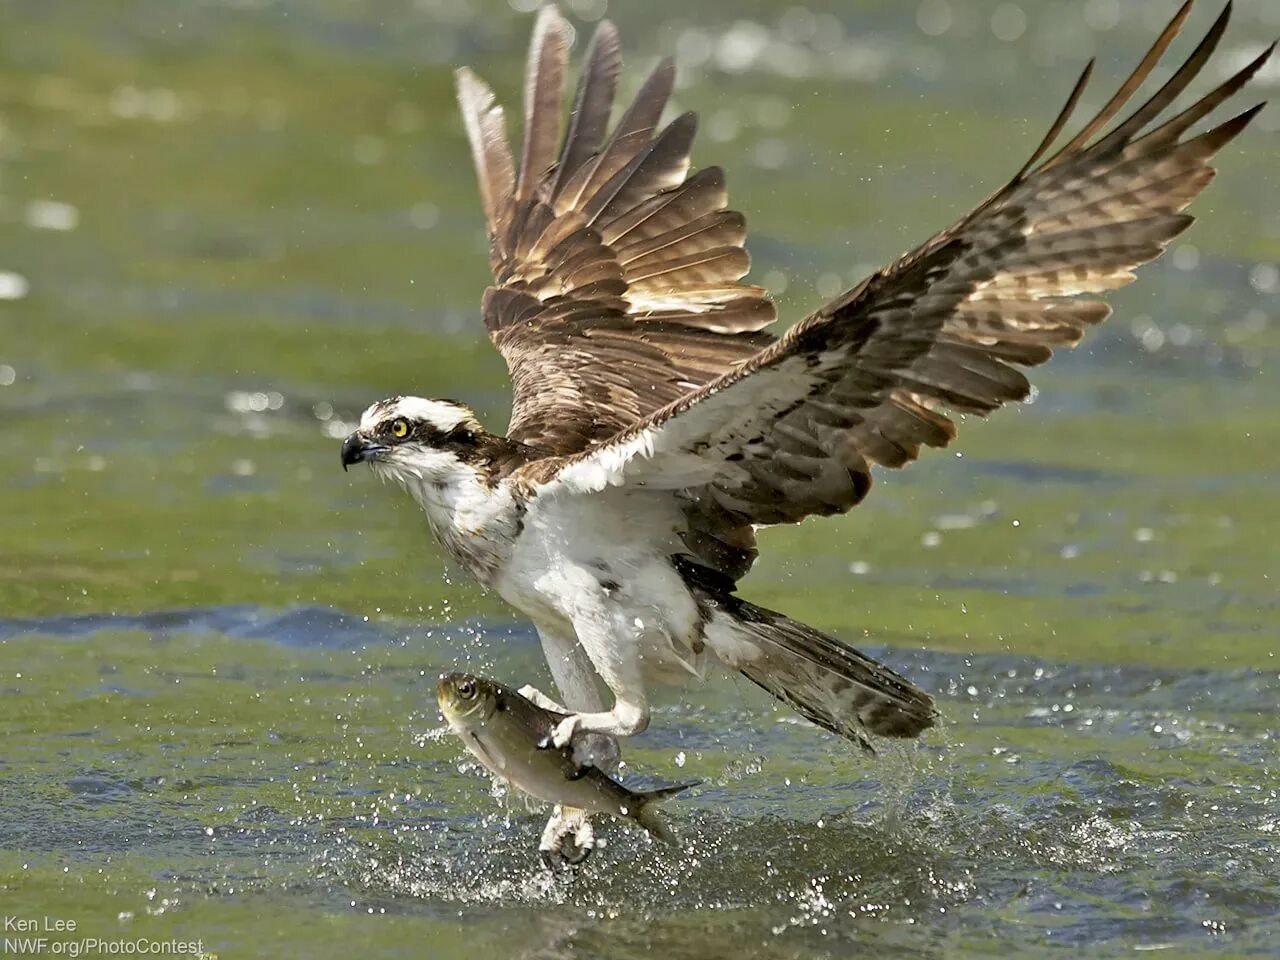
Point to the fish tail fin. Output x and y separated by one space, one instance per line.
648 815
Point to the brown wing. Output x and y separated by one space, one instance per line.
616 274
866 379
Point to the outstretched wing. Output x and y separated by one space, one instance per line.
616 274
866 379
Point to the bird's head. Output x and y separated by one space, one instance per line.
416 441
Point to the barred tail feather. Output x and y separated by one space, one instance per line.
823 680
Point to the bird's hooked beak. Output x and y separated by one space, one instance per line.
358 448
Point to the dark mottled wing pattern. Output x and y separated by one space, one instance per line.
865 380
616 273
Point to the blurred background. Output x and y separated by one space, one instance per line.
226 226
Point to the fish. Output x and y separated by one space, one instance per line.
511 736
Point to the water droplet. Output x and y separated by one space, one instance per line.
52 215
1186 256
830 285
933 17
1008 22
424 216
1102 15
13 286
368 150
741 45
1265 278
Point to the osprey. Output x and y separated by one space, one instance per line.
656 426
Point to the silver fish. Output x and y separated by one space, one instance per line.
511 736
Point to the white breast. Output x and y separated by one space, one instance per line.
604 561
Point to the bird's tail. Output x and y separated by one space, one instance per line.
819 677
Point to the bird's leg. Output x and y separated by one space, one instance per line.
538 698
569 837
616 659
626 719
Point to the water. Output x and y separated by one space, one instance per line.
229 226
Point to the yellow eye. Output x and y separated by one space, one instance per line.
400 429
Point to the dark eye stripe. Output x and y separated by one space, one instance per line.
460 439
460 435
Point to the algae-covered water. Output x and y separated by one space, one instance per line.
228 225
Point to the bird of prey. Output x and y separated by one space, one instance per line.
656 425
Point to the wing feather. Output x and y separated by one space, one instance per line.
486 129
1176 127
592 105
630 136
701 194
543 93
616 272
722 228
1128 88
661 165
868 379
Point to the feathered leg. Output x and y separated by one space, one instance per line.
569 836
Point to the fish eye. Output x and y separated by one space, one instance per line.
466 689
400 428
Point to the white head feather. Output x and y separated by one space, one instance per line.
444 415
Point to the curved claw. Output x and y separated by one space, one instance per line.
568 839
563 733
576 852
